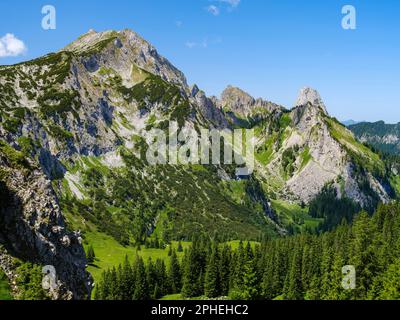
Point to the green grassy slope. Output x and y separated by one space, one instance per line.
294 217
128 202
109 253
5 290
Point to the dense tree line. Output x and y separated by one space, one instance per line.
299 267
332 209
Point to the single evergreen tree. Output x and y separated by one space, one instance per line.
175 274
180 248
90 255
212 288
141 286
225 270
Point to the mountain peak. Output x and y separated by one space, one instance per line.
237 96
242 103
237 100
121 50
310 95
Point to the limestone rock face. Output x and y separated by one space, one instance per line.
32 228
241 103
309 95
238 100
208 109
122 49
322 155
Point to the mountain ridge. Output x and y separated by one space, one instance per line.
385 137
83 116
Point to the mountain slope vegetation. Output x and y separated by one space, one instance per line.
382 136
79 121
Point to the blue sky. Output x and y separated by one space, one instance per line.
270 48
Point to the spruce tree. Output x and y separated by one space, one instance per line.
225 270
141 286
293 286
193 272
90 255
175 274
250 287
127 280
212 280
151 276
162 277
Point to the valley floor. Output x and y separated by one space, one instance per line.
109 253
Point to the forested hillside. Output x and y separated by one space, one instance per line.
300 267
384 137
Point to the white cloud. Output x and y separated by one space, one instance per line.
179 24
10 46
214 10
232 3
203 44
192 44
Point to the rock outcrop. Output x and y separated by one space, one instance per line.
32 228
239 102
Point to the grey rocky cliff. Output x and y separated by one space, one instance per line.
310 96
125 49
207 107
241 103
32 228
315 131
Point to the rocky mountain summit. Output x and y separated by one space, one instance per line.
134 50
310 96
79 121
241 103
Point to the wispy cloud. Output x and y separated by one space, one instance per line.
203 44
11 46
193 44
214 10
232 3
179 23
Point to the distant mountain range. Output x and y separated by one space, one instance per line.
350 122
382 136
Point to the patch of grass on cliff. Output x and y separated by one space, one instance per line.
29 282
264 153
56 103
5 290
14 157
59 133
138 74
306 157
285 120
395 182
361 154
152 90
59 66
